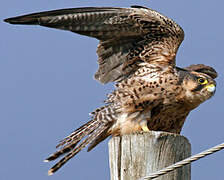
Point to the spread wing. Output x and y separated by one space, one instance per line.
128 36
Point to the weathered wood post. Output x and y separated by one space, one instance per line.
137 155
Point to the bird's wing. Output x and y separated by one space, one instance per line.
128 36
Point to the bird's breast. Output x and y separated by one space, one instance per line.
126 124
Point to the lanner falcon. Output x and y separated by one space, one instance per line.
137 50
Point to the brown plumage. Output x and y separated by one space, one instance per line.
137 50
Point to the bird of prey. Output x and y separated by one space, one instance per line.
137 50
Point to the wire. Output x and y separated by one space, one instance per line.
184 162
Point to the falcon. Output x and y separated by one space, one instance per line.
137 50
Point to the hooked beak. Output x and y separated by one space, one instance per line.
210 88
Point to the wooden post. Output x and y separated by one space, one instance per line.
137 155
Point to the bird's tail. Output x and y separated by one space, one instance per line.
95 131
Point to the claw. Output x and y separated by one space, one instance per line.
145 128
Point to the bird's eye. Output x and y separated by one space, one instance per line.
202 81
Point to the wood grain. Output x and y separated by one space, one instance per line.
137 155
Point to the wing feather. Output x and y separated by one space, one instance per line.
127 36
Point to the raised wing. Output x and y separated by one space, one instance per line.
128 36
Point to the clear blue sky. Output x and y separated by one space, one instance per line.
47 88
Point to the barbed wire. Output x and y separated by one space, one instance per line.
184 162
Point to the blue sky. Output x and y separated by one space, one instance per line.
47 88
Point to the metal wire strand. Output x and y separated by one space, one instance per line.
184 162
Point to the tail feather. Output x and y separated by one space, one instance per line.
72 140
77 133
61 152
92 133
99 139
82 145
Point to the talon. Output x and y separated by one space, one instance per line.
145 128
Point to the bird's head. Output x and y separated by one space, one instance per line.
199 84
